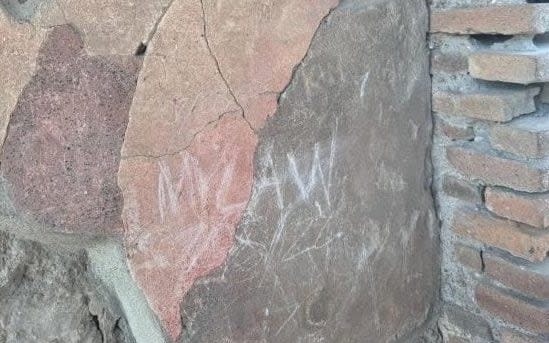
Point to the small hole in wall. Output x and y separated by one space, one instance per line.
537 1
141 49
488 40
542 40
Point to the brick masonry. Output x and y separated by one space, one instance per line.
491 140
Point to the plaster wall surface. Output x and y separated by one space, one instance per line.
206 171
339 239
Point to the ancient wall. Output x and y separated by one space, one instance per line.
489 65
216 171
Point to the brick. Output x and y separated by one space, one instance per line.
515 67
500 105
504 234
508 336
526 279
477 162
531 209
454 131
455 339
461 189
450 63
509 20
526 137
544 97
512 309
463 323
468 257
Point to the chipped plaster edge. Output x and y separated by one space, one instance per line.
107 262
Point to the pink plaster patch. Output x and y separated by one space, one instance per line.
182 211
258 44
179 89
182 204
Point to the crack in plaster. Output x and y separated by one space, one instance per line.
209 124
216 61
214 122
296 68
280 94
221 75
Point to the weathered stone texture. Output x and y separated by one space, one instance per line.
48 296
188 97
182 212
317 257
338 239
108 27
544 96
113 26
258 55
19 45
180 90
61 154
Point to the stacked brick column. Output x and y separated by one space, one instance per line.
491 155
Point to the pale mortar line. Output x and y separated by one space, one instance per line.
108 263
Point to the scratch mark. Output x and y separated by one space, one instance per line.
364 85
290 317
217 65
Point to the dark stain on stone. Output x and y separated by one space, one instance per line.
62 149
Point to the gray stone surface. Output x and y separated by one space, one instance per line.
49 296
339 242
